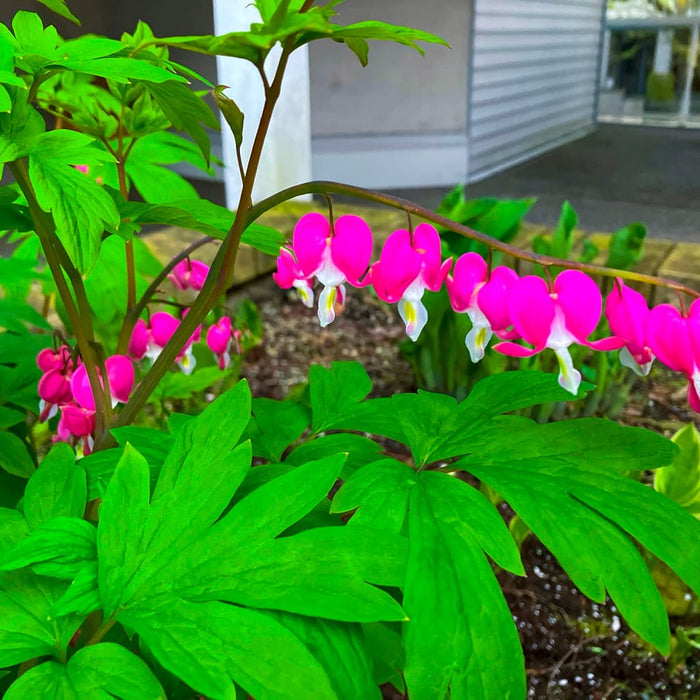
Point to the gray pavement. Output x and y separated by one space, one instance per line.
612 177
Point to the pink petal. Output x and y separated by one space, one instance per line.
399 264
627 312
426 242
54 387
48 359
351 247
606 344
514 350
667 336
219 336
579 298
309 241
138 343
81 389
493 297
120 377
531 310
470 270
288 271
79 422
163 326
199 274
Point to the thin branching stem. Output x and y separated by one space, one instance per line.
323 188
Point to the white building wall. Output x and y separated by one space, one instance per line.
400 122
534 78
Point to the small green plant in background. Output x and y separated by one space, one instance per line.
439 359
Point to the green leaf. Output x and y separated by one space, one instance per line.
626 246
106 284
275 425
100 670
15 315
179 514
456 639
82 596
324 570
56 548
385 647
206 217
379 495
562 238
178 385
60 8
335 391
10 417
13 528
186 112
19 128
209 645
14 455
342 651
154 445
27 627
359 450
570 467
124 70
680 480
156 183
231 111
374 31
81 208
57 488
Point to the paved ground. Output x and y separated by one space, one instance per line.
617 175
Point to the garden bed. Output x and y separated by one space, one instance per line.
574 648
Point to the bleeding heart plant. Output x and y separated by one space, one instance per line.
277 548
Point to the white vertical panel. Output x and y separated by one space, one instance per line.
286 159
533 81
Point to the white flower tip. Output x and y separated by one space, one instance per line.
569 376
476 341
326 306
414 316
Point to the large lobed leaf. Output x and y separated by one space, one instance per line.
81 208
169 565
102 670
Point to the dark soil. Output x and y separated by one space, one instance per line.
574 648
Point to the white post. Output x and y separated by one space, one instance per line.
663 51
286 159
691 62
605 59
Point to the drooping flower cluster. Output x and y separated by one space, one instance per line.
64 388
527 314
150 337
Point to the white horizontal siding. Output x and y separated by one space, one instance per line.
533 77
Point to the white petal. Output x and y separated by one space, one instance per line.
414 316
627 360
569 376
187 362
326 305
479 336
306 294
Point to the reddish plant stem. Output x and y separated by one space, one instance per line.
323 188
58 261
221 272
